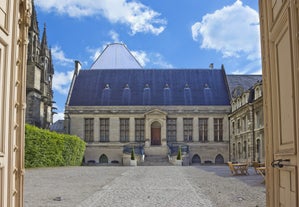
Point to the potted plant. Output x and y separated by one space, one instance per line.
133 161
179 157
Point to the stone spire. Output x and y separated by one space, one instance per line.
34 22
44 43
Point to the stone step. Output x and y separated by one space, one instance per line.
156 160
157 150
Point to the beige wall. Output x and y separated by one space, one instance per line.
14 22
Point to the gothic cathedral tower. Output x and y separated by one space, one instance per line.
40 71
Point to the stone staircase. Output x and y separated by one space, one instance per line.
156 156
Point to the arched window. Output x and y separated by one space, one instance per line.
219 159
196 159
103 159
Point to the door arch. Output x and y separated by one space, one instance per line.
156 133
196 159
103 159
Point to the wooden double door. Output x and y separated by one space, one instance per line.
280 60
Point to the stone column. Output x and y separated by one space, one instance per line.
132 129
211 129
195 130
180 129
96 130
114 129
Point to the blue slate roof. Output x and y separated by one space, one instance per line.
137 87
244 81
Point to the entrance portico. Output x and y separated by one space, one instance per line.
155 127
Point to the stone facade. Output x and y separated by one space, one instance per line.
40 71
247 125
200 151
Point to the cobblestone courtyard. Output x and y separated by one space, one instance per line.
142 186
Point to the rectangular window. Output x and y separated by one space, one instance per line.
233 127
218 130
203 129
244 123
238 126
171 130
139 130
124 130
88 130
104 130
188 129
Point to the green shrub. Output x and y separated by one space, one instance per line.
46 149
179 156
132 154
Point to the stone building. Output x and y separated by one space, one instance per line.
116 103
246 118
40 71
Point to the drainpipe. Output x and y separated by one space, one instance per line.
229 133
253 134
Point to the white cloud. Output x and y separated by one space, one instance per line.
158 61
59 56
258 72
136 15
141 57
58 116
61 81
114 36
232 30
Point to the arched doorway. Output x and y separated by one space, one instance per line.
196 159
103 159
156 133
219 159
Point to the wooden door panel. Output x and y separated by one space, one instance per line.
279 35
156 136
276 6
3 14
287 187
285 91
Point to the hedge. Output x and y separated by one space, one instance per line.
47 149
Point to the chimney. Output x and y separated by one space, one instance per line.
77 67
211 66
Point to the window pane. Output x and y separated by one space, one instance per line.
139 130
171 130
88 129
104 130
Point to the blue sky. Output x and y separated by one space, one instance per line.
160 34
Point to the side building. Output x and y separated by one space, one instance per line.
40 71
246 118
116 103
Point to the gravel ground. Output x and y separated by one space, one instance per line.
206 186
